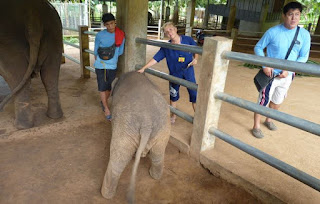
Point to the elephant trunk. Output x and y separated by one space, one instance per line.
145 135
34 28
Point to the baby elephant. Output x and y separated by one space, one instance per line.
140 125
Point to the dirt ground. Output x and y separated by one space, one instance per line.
64 160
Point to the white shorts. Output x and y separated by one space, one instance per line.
276 91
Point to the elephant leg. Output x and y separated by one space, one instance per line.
50 78
23 112
156 155
121 152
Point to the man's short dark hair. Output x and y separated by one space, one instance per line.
292 5
108 17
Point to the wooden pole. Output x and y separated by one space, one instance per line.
84 56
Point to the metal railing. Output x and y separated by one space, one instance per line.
226 55
277 115
83 47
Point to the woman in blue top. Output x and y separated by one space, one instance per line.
105 66
180 64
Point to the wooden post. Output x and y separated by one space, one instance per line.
190 17
212 79
234 35
263 17
231 18
84 56
63 58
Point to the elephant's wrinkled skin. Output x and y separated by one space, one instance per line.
30 42
141 124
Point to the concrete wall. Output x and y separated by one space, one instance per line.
249 26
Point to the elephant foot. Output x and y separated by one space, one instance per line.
23 124
55 113
106 193
156 172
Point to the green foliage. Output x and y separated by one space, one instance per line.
310 12
203 3
251 66
71 39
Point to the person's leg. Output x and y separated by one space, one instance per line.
110 76
256 121
263 100
104 96
189 76
278 96
273 106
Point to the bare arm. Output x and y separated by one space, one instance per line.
149 64
194 61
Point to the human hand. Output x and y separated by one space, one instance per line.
193 62
268 71
141 70
283 74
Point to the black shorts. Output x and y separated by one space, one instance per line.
104 78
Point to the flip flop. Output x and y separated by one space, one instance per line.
108 117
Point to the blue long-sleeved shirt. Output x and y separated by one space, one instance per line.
278 39
106 39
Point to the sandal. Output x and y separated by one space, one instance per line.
108 117
257 133
270 125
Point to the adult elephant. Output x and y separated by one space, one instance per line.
30 42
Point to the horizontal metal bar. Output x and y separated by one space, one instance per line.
249 45
152 31
272 161
242 38
182 114
89 51
176 80
312 69
73 29
71 44
90 33
90 68
71 58
152 26
271 113
314 43
249 32
186 48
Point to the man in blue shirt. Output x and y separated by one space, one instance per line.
112 40
277 40
180 64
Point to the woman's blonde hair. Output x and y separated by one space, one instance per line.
168 24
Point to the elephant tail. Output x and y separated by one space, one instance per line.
145 135
33 32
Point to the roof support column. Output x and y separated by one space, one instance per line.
190 16
132 18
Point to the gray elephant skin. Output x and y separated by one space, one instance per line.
30 42
140 126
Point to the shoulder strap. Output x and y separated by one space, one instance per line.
292 43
